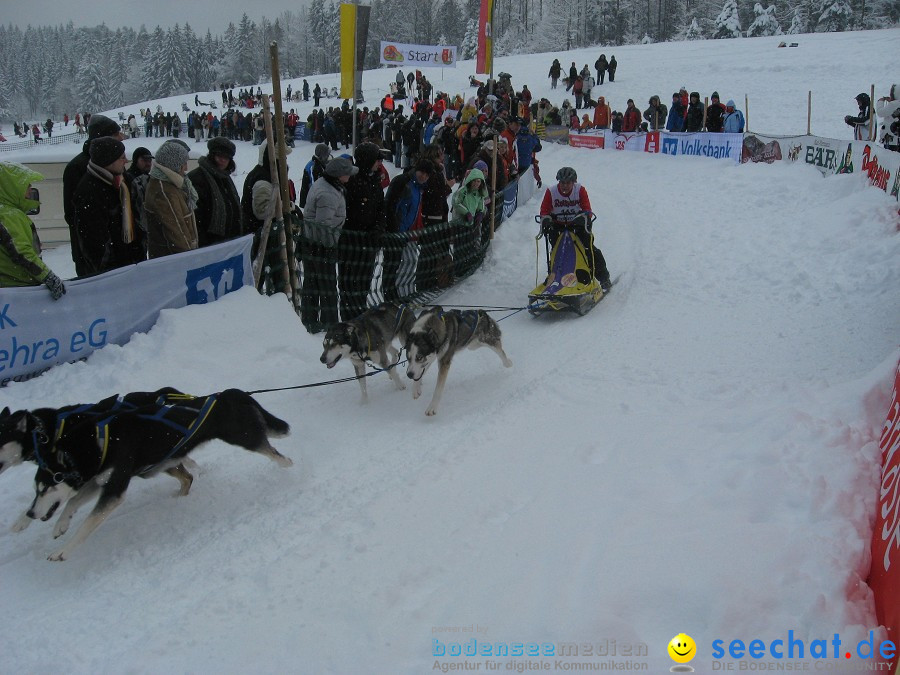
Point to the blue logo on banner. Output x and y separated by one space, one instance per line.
510 194
670 146
211 282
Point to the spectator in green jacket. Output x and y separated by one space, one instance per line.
20 248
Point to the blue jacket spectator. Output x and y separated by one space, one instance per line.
734 119
675 120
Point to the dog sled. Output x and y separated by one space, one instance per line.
570 285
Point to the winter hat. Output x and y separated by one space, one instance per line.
106 150
695 94
141 152
221 146
367 154
715 95
173 154
340 166
102 126
730 103
323 152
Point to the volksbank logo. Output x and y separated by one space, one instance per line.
708 149
670 146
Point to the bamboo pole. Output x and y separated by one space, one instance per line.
809 113
281 156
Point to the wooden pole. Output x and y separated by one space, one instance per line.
281 155
267 225
278 212
705 108
809 113
746 113
872 114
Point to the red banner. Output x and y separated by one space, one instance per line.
587 140
884 578
484 62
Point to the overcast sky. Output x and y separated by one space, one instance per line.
201 14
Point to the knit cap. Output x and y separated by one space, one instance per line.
106 150
323 152
101 125
173 154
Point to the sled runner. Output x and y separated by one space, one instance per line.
570 284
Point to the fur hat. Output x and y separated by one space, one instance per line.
323 152
141 152
340 166
221 146
106 150
101 125
173 154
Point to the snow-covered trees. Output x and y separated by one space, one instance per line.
728 23
765 22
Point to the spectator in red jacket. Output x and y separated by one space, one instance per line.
632 118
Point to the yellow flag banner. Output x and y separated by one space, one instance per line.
348 50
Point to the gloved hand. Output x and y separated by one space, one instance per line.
479 216
581 221
847 119
546 225
470 218
55 285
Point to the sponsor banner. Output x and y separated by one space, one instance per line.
527 186
587 139
510 195
702 144
631 140
555 133
37 332
763 148
417 56
880 166
884 577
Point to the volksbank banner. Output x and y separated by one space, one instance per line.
418 56
37 332
701 144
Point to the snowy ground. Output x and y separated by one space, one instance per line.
698 454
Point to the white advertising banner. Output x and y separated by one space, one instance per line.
417 56
702 144
37 332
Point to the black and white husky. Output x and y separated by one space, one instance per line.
437 335
100 456
369 337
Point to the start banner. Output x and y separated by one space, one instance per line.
37 332
884 577
417 56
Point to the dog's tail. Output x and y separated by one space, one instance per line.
275 426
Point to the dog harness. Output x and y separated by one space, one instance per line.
186 432
468 318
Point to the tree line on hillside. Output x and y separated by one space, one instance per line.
48 70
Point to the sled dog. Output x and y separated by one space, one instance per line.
101 456
437 335
369 337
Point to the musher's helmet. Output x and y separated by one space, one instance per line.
566 174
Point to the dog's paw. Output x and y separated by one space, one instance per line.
59 556
431 412
508 363
61 528
23 522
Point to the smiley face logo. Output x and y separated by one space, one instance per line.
682 648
